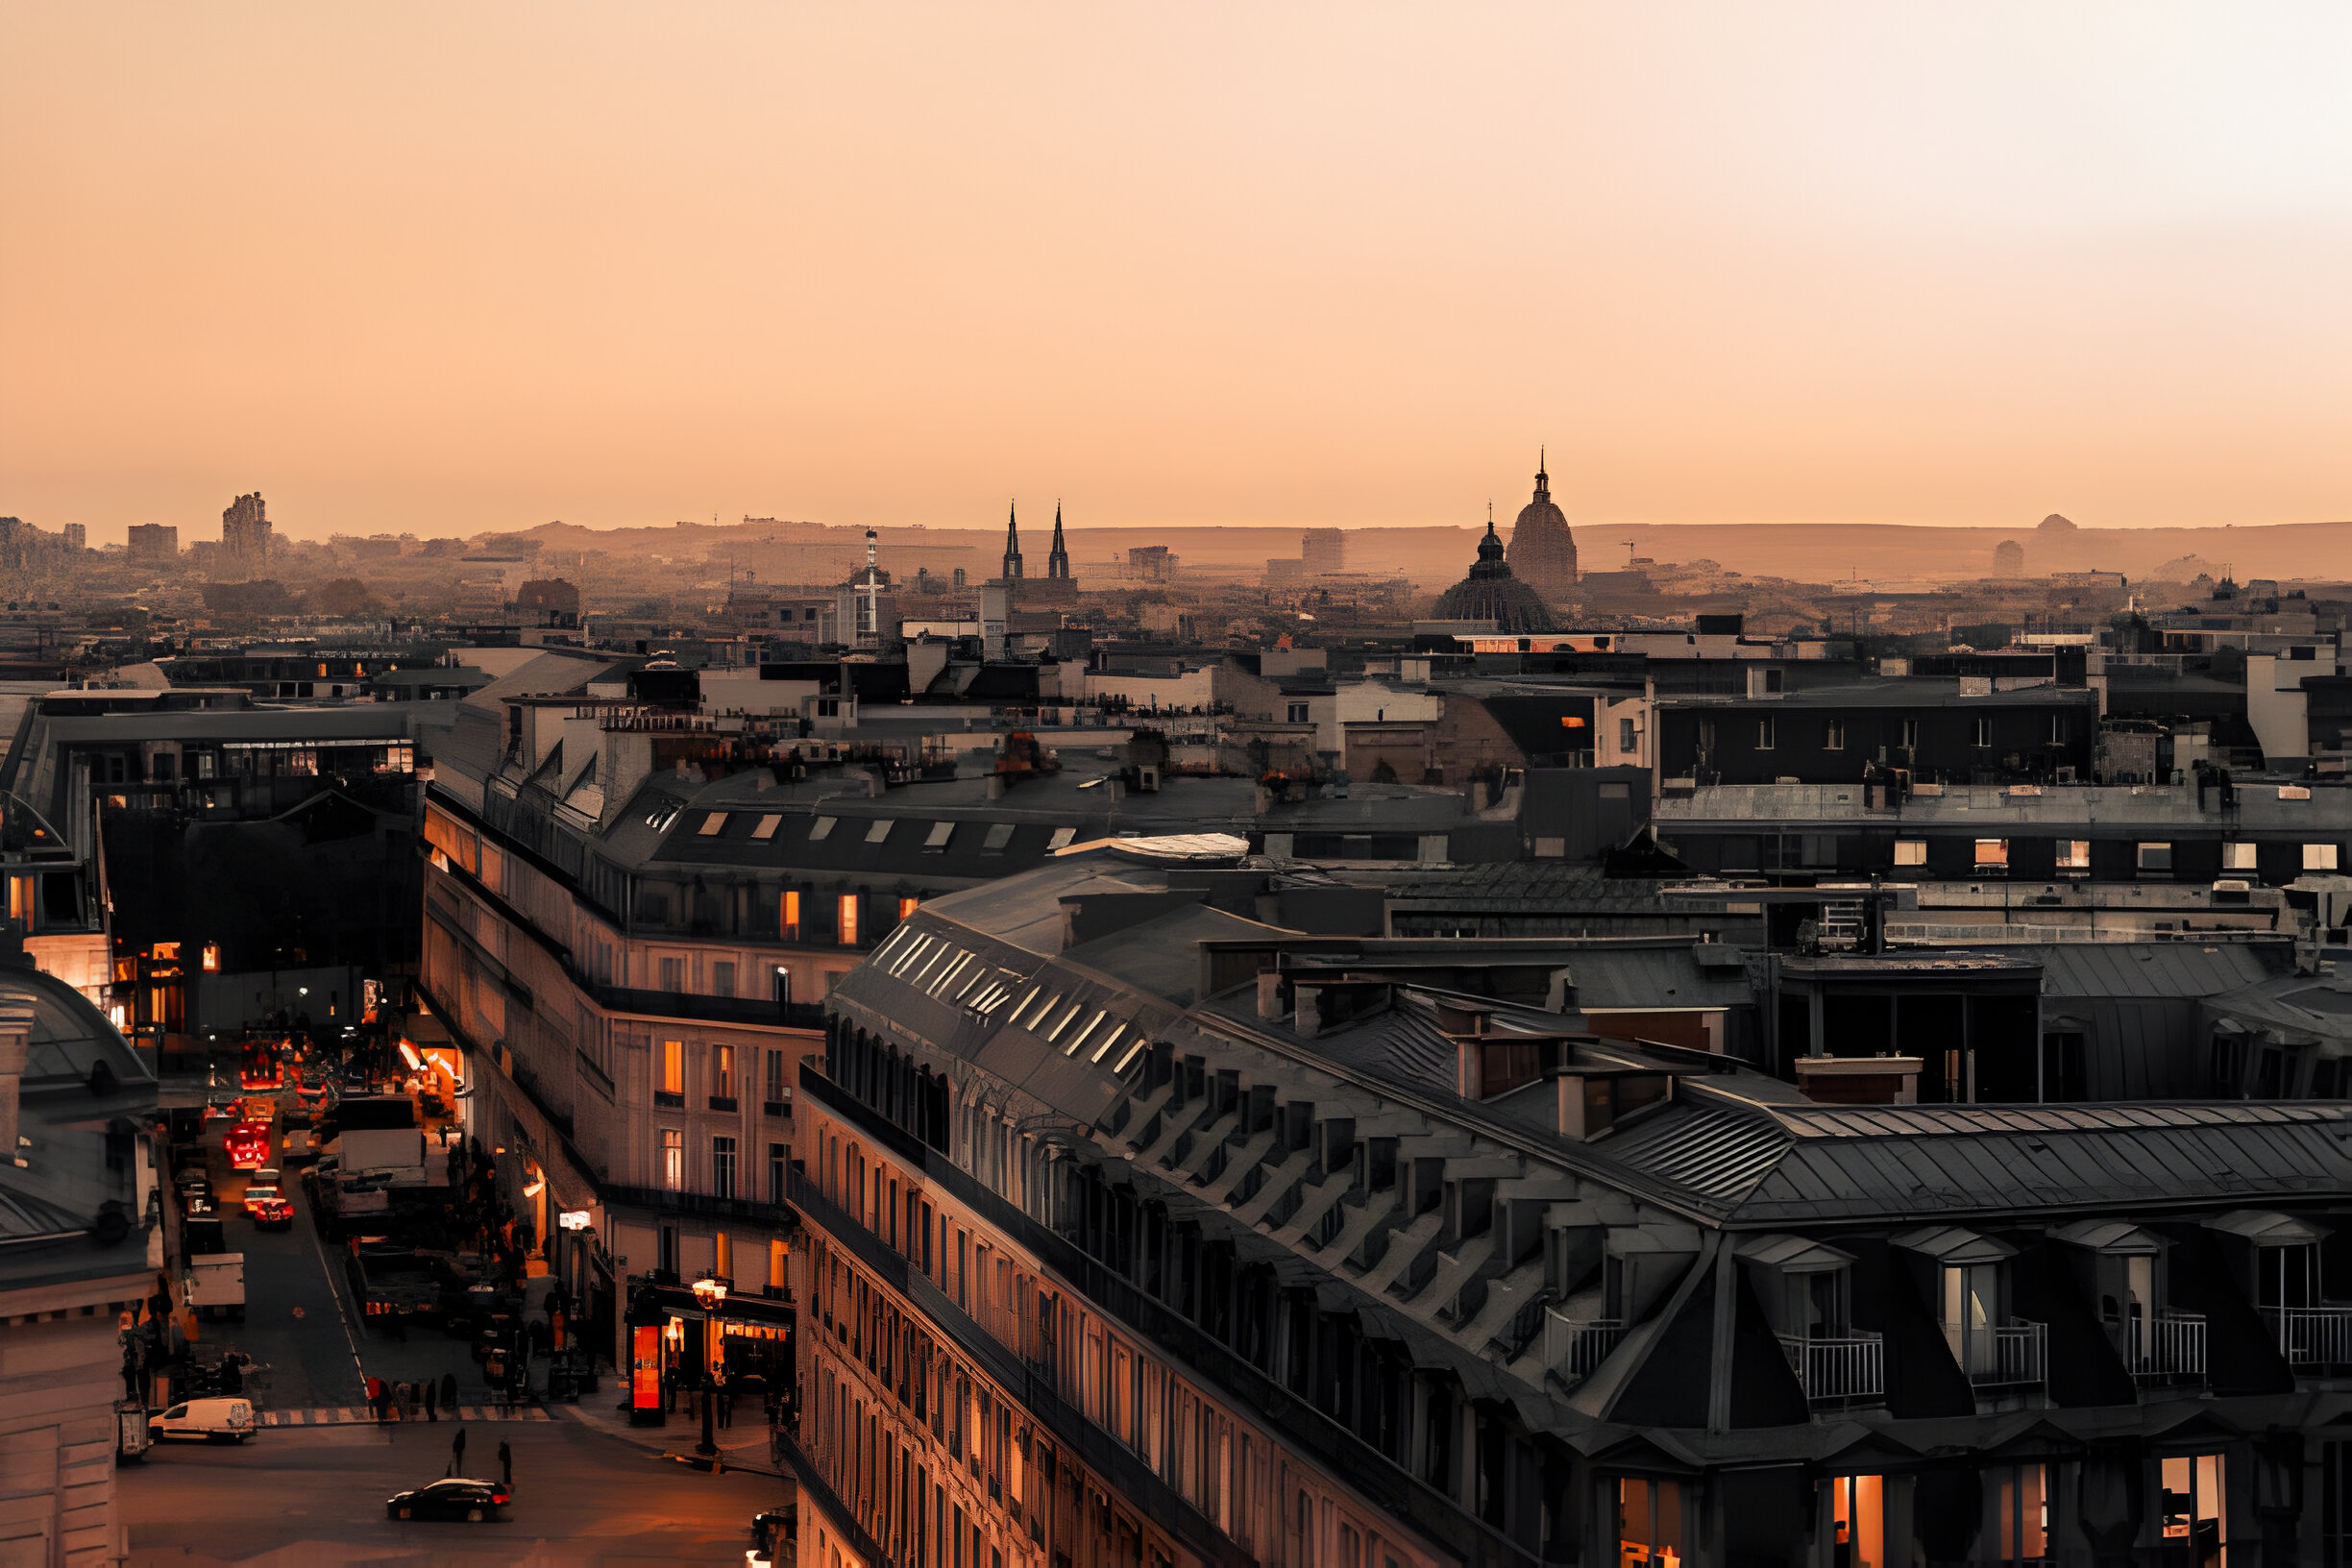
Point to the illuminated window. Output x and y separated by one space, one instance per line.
2238 857
907 906
2318 857
1857 1516
2019 1496
776 1266
673 1160
2193 1510
723 1071
1992 854
2073 854
1649 1522
848 907
165 949
211 957
673 1067
1910 852
789 918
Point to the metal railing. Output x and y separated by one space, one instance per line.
2170 1345
1574 1348
1846 1369
2001 1355
2313 1337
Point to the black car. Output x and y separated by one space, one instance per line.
472 1501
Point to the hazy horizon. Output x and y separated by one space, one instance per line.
448 269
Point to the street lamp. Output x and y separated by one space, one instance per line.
710 1295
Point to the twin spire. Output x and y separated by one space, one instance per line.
1056 559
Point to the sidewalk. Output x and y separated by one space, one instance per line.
743 1446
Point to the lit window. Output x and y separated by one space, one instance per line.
1649 1522
1834 735
1910 852
847 919
1992 853
673 1160
767 827
211 957
789 918
2075 854
2193 1511
2021 1510
940 833
673 1067
820 828
907 907
1857 1517
2238 857
723 1071
880 830
712 823
776 1255
2318 857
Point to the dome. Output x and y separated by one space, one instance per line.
1491 593
1543 554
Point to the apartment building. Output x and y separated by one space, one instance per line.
1141 1233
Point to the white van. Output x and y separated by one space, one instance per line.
206 1419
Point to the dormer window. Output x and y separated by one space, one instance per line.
1969 1280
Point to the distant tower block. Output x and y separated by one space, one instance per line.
2008 559
1323 552
1543 552
245 533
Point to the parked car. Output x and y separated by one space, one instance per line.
458 1498
271 1213
197 1204
248 1145
300 1143
205 1420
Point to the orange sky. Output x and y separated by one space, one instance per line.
455 267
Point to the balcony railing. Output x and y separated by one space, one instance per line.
1847 1369
2001 1355
2313 1339
2167 1348
1572 1349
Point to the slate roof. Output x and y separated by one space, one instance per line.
1783 1164
2145 970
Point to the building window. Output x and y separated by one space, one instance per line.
1834 735
1707 735
673 1160
1298 712
211 957
2058 729
776 1255
1910 852
2019 1499
2318 857
2155 857
1764 734
722 977
1857 1519
723 1168
722 1077
1984 730
673 974
2073 854
673 1089
2192 1506
1648 1522
723 1256
907 906
776 1096
1992 854
2238 857
788 918
1627 739
666 1251
849 919
1906 734
775 1173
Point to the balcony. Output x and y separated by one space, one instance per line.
1842 1370
1573 1348
2000 1355
2167 1348
2313 1339
749 1011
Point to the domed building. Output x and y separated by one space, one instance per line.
1542 551
1491 593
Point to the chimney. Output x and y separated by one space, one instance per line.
16 1049
1271 994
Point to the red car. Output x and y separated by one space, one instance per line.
270 1213
248 1145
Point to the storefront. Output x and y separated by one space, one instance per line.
682 1339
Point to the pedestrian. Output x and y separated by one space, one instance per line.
726 1403
506 1464
448 1393
375 1396
457 1451
402 1394
433 1400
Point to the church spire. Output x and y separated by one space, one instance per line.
1543 481
1013 550
1056 559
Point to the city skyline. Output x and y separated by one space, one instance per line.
452 272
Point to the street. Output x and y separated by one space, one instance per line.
317 1496
313 1483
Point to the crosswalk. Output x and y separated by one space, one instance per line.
339 1415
